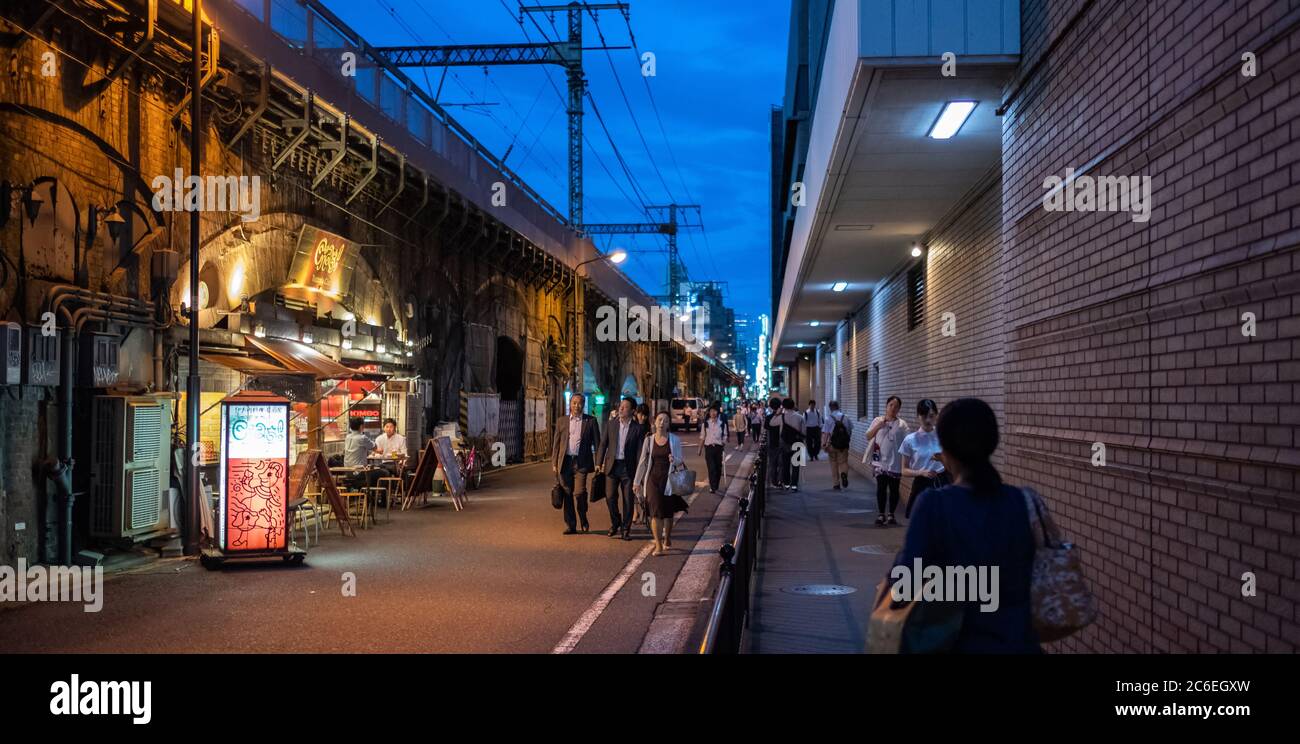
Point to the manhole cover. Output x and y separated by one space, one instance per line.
819 590
853 511
873 550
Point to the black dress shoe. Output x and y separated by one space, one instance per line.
586 527
627 535
613 532
570 531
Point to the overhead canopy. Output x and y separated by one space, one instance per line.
297 357
244 364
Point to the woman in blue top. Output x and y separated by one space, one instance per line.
977 521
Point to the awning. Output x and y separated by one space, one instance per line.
244 364
297 357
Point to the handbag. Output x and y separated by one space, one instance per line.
597 487
1060 602
915 627
681 482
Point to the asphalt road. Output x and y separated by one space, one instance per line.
498 577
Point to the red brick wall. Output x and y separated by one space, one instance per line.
1083 327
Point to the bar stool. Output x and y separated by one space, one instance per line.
372 501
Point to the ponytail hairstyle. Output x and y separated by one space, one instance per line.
968 432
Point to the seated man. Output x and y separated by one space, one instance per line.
390 443
356 448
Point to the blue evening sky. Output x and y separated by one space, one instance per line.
720 67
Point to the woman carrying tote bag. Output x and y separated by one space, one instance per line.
660 456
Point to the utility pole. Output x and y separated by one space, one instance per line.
668 220
567 54
192 518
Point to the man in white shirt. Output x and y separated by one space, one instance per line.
837 440
792 435
573 459
812 426
620 448
390 442
713 439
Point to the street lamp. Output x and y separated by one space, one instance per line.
616 256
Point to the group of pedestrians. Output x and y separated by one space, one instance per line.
637 455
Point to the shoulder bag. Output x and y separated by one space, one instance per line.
1060 601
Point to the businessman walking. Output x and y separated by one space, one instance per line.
573 458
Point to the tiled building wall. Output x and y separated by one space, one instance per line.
1088 329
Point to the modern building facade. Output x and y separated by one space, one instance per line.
1104 250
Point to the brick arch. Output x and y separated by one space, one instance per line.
253 258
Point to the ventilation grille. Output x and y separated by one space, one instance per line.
915 295
145 498
146 433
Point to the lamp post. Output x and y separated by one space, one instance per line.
579 312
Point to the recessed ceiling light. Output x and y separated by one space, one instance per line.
852 228
916 250
951 119
815 323
839 286
799 345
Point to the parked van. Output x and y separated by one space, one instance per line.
686 414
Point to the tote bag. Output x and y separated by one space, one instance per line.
1060 600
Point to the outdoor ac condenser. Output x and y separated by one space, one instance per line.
129 473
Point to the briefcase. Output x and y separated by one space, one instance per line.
557 496
597 490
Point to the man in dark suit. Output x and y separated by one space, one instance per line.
573 458
620 447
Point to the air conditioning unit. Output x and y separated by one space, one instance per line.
129 469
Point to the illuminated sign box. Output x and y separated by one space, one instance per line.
253 511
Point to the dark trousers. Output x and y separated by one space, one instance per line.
618 493
754 431
740 437
919 485
713 458
887 487
789 470
576 495
775 474
813 438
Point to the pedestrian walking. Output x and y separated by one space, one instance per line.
643 416
573 459
837 445
977 521
772 422
920 451
660 454
713 440
812 426
792 437
740 424
617 458
885 435
755 421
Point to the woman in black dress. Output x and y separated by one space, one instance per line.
661 453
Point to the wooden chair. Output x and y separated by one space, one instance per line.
394 489
359 498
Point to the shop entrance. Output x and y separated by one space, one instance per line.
509 382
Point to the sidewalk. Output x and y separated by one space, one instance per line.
809 539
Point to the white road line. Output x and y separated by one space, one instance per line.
589 618
574 636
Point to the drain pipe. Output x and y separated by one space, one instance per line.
97 306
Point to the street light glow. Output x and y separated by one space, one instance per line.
618 256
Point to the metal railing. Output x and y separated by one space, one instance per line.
730 614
